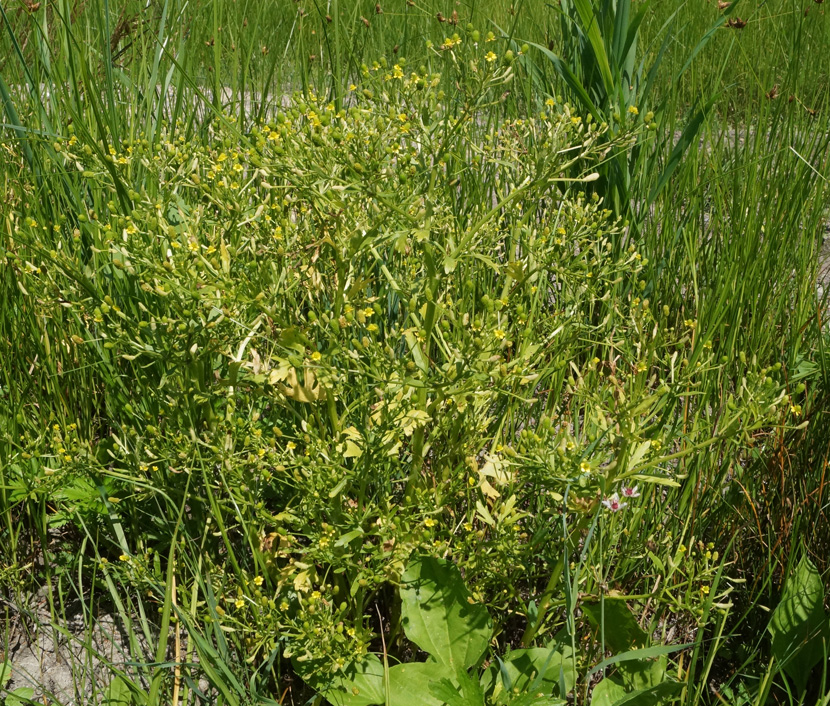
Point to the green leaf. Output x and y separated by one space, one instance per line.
622 632
5 673
118 693
409 683
590 26
447 690
20 696
799 623
439 614
643 673
686 138
645 653
609 692
359 684
349 536
536 671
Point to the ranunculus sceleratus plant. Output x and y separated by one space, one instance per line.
353 334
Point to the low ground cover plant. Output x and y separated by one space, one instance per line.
270 383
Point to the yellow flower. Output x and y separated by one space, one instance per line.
490 57
258 581
550 102
633 110
429 522
499 334
239 603
316 356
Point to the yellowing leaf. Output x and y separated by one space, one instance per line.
307 392
226 257
352 450
302 581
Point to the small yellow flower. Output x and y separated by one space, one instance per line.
316 356
499 334
633 110
258 581
124 557
490 57
550 102
704 590
239 603
429 522
585 467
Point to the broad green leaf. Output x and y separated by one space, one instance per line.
19 697
536 671
799 623
118 693
359 684
643 673
607 693
409 684
610 692
622 632
440 616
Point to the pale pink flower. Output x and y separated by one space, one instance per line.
613 503
631 492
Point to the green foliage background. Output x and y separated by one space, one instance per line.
292 293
